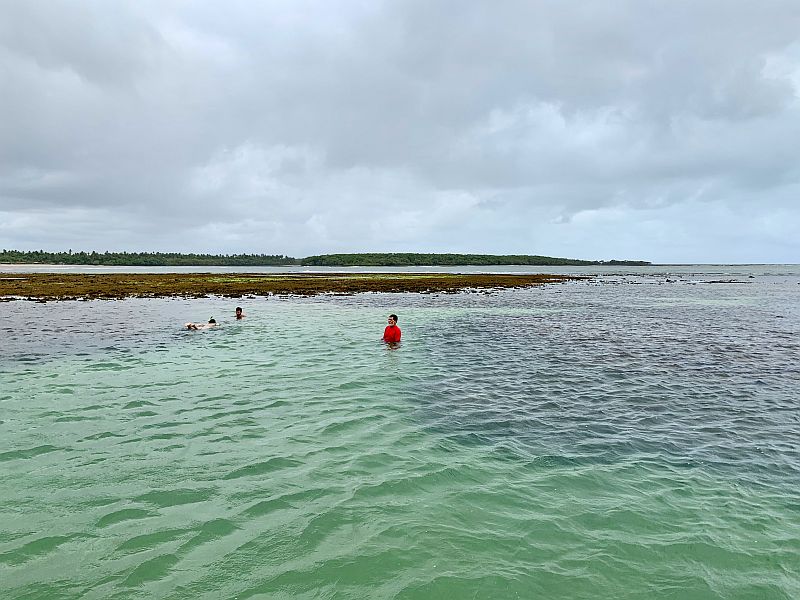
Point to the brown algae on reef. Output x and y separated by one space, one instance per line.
50 286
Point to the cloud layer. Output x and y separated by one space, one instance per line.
661 131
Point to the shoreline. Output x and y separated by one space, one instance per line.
43 287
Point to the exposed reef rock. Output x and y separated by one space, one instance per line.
48 286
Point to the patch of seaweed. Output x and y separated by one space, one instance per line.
50 286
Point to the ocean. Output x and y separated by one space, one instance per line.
635 435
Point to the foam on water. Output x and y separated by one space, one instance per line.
580 441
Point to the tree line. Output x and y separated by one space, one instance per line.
370 259
409 259
145 259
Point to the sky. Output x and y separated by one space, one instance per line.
633 129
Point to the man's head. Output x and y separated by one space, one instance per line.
238 312
392 319
212 321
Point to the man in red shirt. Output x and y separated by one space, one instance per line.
392 332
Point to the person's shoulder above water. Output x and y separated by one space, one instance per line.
392 332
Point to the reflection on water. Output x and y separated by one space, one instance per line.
585 440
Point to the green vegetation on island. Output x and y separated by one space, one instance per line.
370 259
409 259
145 259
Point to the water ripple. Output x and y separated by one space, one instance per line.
583 441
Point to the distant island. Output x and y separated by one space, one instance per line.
370 259
145 259
408 259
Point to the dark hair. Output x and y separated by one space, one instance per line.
393 317
238 309
211 320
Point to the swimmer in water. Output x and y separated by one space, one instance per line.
239 314
198 326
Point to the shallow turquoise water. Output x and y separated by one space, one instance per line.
621 440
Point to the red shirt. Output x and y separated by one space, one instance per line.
391 334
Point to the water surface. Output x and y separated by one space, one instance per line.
630 437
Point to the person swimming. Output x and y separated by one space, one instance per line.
239 313
198 326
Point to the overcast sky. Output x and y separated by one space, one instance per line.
659 130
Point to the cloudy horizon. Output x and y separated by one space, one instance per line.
635 130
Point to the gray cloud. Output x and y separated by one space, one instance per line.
577 128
